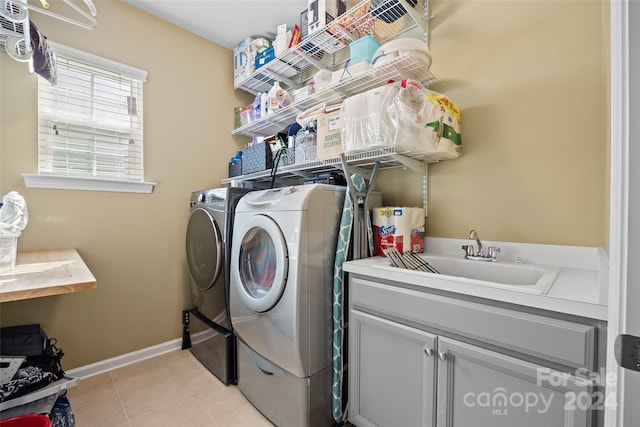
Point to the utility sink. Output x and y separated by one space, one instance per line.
506 275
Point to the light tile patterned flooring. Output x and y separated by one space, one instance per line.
172 390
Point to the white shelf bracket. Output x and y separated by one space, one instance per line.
366 173
413 164
279 78
309 58
421 168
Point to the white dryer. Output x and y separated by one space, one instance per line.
282 261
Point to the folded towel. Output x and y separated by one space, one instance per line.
311 114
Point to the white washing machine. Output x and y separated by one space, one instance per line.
207 326
282 261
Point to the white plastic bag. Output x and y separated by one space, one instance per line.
403 115
13 213
366 124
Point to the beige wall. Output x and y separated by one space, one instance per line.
530 77
133 243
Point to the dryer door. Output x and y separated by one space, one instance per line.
204 248
263 263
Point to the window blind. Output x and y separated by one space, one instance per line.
90 122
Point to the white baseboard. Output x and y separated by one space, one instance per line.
124 360
136 356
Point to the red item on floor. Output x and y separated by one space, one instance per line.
29 420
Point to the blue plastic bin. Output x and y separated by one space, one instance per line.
363 49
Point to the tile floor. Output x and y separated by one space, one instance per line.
172 390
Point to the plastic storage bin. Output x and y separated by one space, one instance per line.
246 116
29 420
256 158
8 250
306 147
363 49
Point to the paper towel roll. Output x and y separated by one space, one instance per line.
398 227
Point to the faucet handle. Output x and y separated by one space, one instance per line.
493 253
468 250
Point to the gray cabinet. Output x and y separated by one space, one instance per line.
483 388
392 373
421 359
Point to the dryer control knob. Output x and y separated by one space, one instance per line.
201 197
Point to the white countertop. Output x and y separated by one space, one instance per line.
580 288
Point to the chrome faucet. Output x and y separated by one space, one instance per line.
473 235
470 253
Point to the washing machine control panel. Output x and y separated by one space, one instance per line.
270 196
214 198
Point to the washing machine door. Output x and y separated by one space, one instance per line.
204 248
263 263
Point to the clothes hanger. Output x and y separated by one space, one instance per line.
17 40
17 11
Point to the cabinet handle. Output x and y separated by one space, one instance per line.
428 351
442 355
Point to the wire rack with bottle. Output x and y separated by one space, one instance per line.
328 48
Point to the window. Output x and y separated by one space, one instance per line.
90 133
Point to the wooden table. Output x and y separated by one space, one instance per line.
44 273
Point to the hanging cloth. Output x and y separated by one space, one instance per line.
342 251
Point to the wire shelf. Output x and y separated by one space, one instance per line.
406 66
295 174
327 49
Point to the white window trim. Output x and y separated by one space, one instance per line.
98 61
63 182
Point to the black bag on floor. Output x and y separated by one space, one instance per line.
23 340
32 342
42 364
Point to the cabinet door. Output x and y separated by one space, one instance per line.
482 388
391 373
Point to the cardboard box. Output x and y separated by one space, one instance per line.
283 38
304 24
329 138
244 56
321 12
264 57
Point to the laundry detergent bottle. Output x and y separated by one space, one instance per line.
264 104
257 109
273 105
